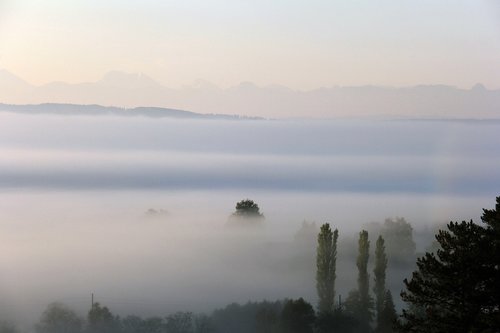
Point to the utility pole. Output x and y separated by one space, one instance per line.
92 300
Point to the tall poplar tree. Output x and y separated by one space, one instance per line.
379 277
365 301
326 260
359 304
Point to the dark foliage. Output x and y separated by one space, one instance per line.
180 322
246 318
398 236
7 327
203 324
58 318
364 313
267 319
297 317
379 276
135 324
457 289
387 318
336 322
247 214
326 260
100 319
247 208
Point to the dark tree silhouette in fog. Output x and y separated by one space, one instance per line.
365 299
247 208
379 284
8 327
359 303
326 260
246 318
100 319
457 289
58 318
398 236
491 218
203 324
135 324
180 322
267 319
387 318
247 213
297 317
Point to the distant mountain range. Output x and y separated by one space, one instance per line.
99 110
129 91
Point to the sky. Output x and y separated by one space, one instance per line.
298 44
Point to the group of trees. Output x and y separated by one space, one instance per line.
288 316
58 318
398 237
454 289
357 312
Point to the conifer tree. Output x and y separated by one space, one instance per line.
457 289
491 219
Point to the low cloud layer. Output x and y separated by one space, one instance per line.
435 157
179 171
76 192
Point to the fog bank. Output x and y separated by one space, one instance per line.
78 195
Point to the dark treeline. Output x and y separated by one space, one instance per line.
454 288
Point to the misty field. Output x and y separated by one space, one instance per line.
135 210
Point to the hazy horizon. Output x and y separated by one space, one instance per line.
203 82
372 115
124 90
295 44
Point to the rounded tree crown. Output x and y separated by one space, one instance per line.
248 208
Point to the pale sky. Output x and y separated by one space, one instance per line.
299 44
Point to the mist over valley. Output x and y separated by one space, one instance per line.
137 212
